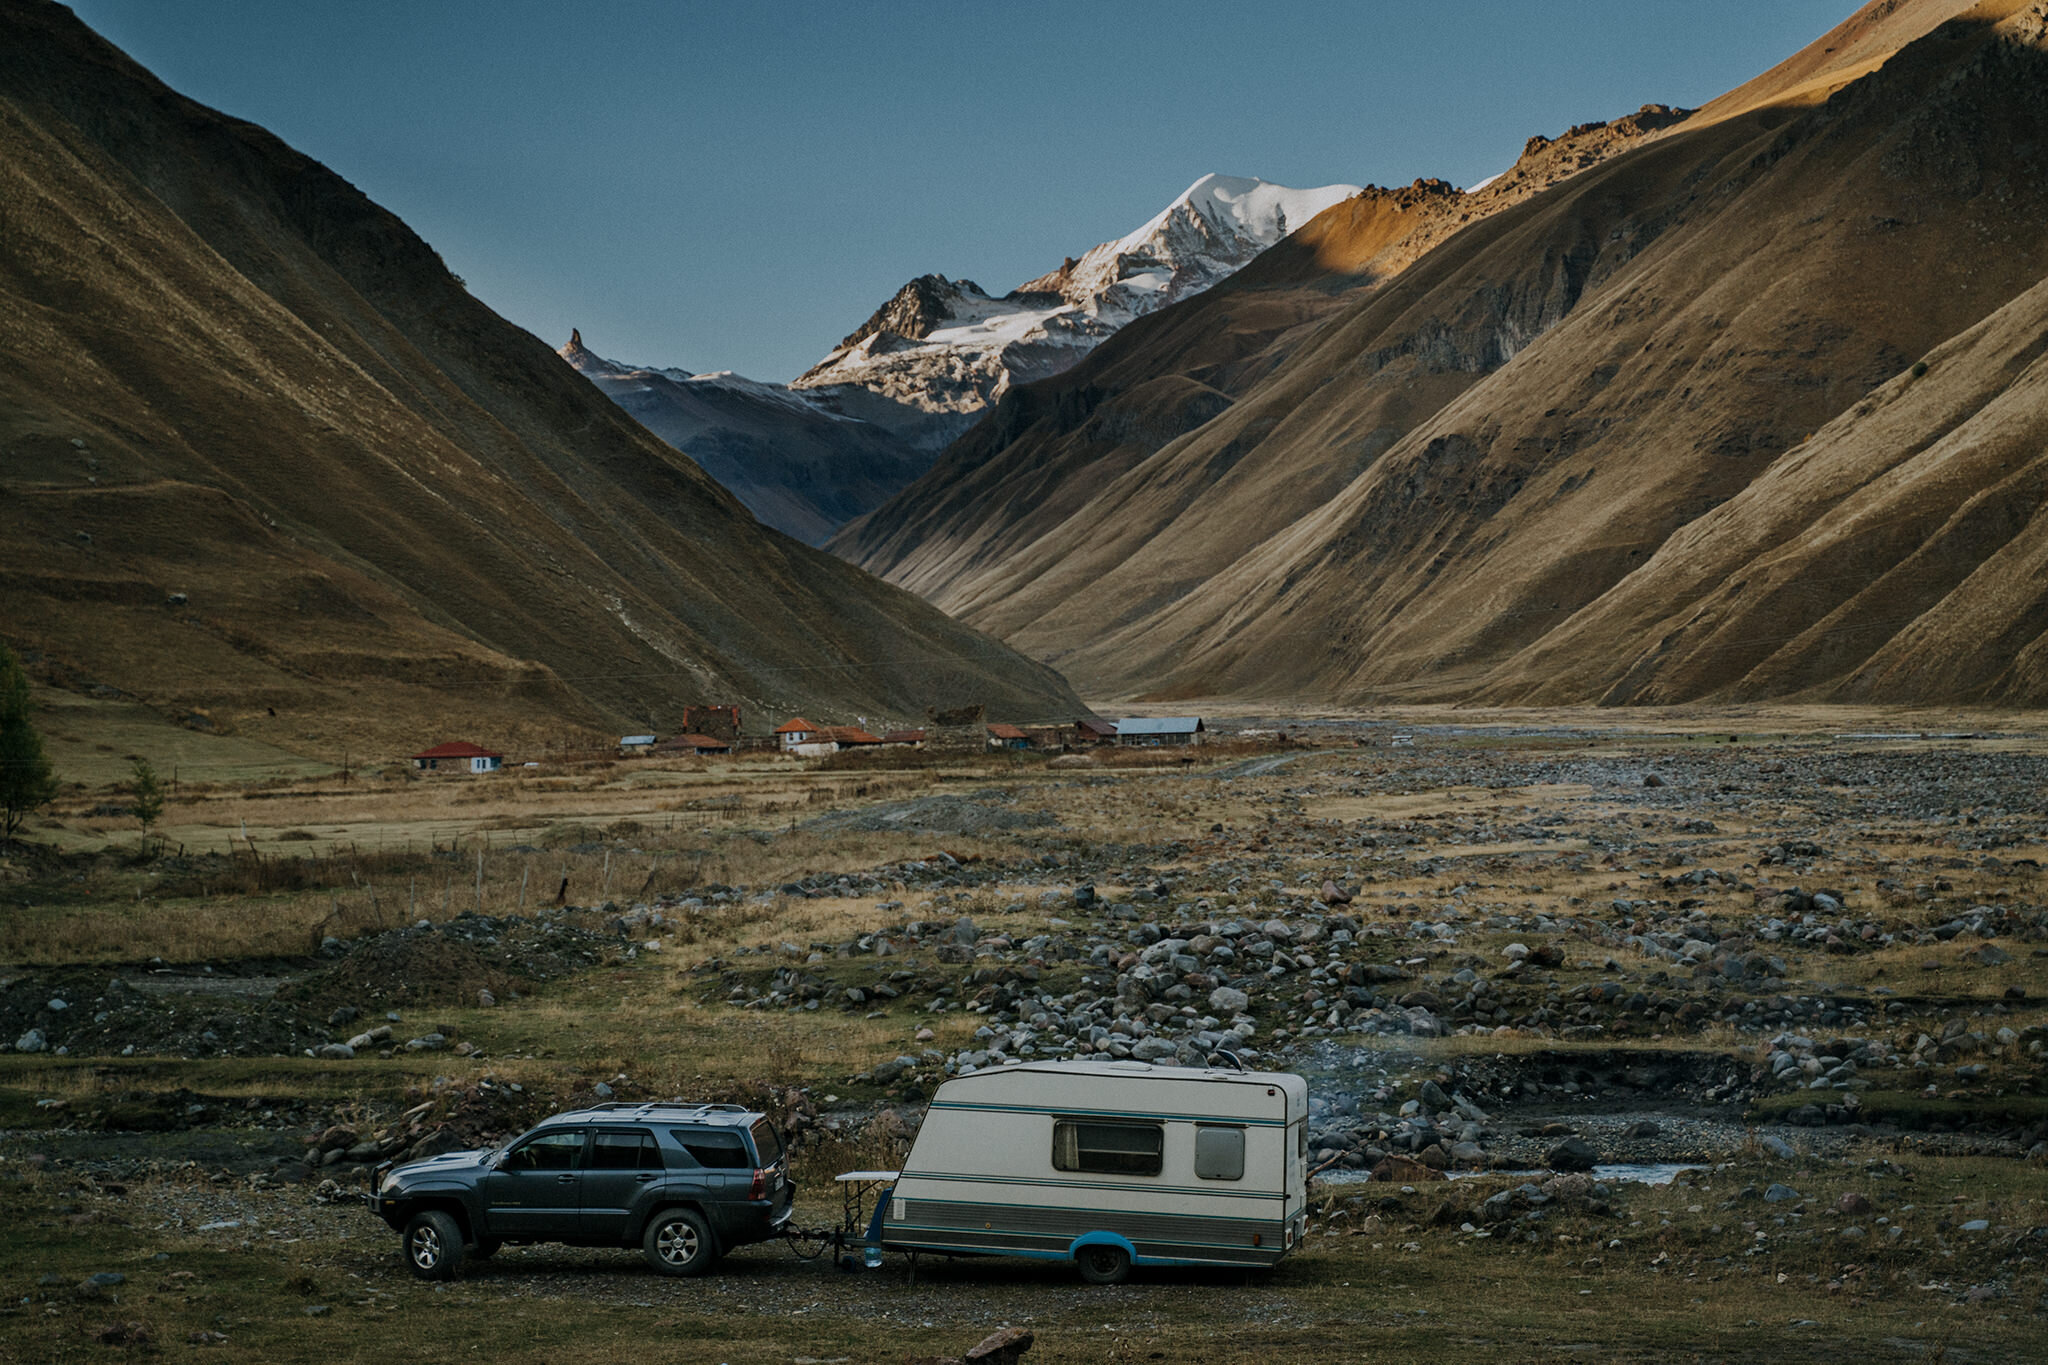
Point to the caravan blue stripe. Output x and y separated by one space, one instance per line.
1058 1111
1062 1256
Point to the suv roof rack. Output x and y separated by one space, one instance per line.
665 1106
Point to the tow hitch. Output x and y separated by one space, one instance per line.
862 1194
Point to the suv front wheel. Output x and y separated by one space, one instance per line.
678 1242
433 1246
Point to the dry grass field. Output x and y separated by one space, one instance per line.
768 872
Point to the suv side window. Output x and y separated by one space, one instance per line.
561 1151
633 1150
719 1149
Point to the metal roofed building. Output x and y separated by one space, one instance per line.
460 755
1152 730
1089 730
1002 735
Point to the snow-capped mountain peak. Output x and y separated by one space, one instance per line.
947 346
1236 209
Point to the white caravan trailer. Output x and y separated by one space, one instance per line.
1107 1164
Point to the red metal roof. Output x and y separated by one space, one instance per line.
904 737
1004 730
846 734
457 748
794 725
701 742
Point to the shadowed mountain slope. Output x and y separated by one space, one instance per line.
269 464
1651 434
792 460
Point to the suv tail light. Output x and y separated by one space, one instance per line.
759 1189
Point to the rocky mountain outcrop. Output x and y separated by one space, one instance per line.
1711 406
265 458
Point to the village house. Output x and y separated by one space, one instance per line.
793 732
831 739
913 738
693 744
1148 731
1002 735
718 722
964 729
635 744
1092 731
457 756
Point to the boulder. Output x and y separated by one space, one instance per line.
1227 1000
1000 1348
1573 1154
890 1070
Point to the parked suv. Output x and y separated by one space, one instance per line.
686 1183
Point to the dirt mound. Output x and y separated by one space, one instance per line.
401 970
451 963
79 1014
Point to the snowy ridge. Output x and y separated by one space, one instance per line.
1216 225
947 346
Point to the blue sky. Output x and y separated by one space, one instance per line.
737 186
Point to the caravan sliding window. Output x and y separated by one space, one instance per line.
1107 1148
1219 1152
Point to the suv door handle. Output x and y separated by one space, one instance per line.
645 1177
565 1179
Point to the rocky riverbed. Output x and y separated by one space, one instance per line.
1656 946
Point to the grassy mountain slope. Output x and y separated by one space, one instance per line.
989 520
1555 405
392 515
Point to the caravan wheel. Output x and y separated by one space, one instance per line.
1103 1264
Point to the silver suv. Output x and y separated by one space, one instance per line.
684 1182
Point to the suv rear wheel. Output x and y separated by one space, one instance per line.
678 1242
433 1246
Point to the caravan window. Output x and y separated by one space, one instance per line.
1107 1148
1219 1152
